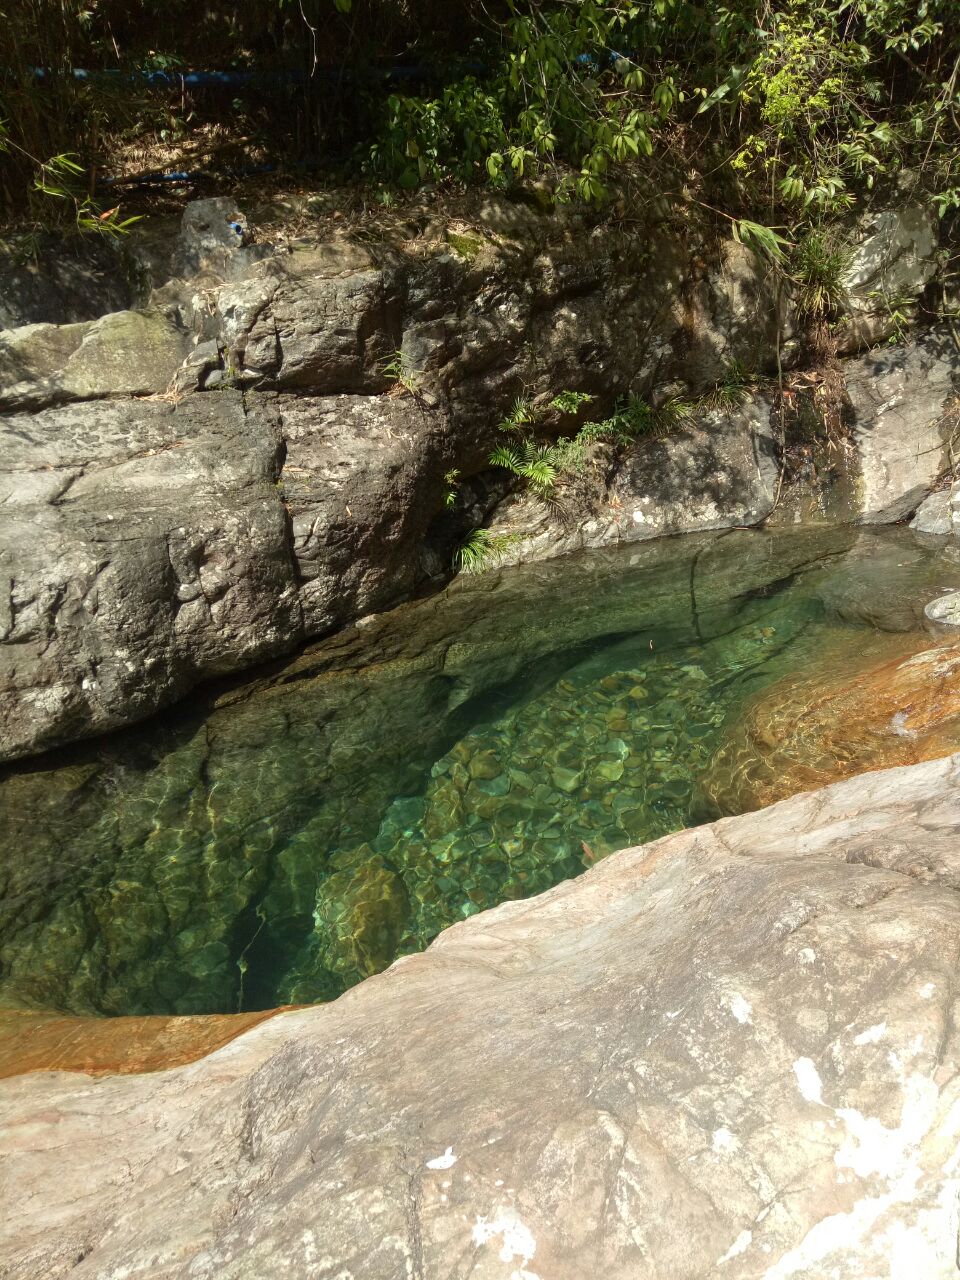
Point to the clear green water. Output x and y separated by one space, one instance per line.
288 837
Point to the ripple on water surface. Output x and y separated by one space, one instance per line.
302 831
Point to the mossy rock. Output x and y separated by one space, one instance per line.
468 247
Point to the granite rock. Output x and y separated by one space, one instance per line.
732 1052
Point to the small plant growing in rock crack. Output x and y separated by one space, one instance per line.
570 401
899 308
733 388
482 549
521 415
817 268
396 368
542 465
451 485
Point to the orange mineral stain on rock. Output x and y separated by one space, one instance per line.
850 714
32 1041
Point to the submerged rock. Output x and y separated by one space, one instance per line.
113 1046
732 1052
886 702
944 612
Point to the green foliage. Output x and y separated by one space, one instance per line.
542 465
570 401
451 486
539 465
59 178
762 240
396 367
521 415
733 388
817 268
795 109
808 102
482 549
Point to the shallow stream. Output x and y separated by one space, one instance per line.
283 838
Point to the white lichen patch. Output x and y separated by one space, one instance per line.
517 1242
873 1149
446 1161
808 1080
741 1008
890 1158
724 1141
872 1034
740 1245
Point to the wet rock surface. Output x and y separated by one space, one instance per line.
730 1052
835 720
110 1046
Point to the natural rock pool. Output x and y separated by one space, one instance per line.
278 841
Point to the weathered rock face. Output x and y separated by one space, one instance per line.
334 504
895 259
359 481
144 547
900 399
89 279
126 353
733 1052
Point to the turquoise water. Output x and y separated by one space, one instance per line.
291 835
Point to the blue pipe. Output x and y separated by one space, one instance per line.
237 79
185 175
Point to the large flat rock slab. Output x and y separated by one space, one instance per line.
730 1053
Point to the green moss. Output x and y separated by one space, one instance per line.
469 247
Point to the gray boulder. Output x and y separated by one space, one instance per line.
311 320
215 240
143 547
939 513
891 265
733 1052
898 397
125 353
361 482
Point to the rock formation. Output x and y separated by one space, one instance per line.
730 1053
260 453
